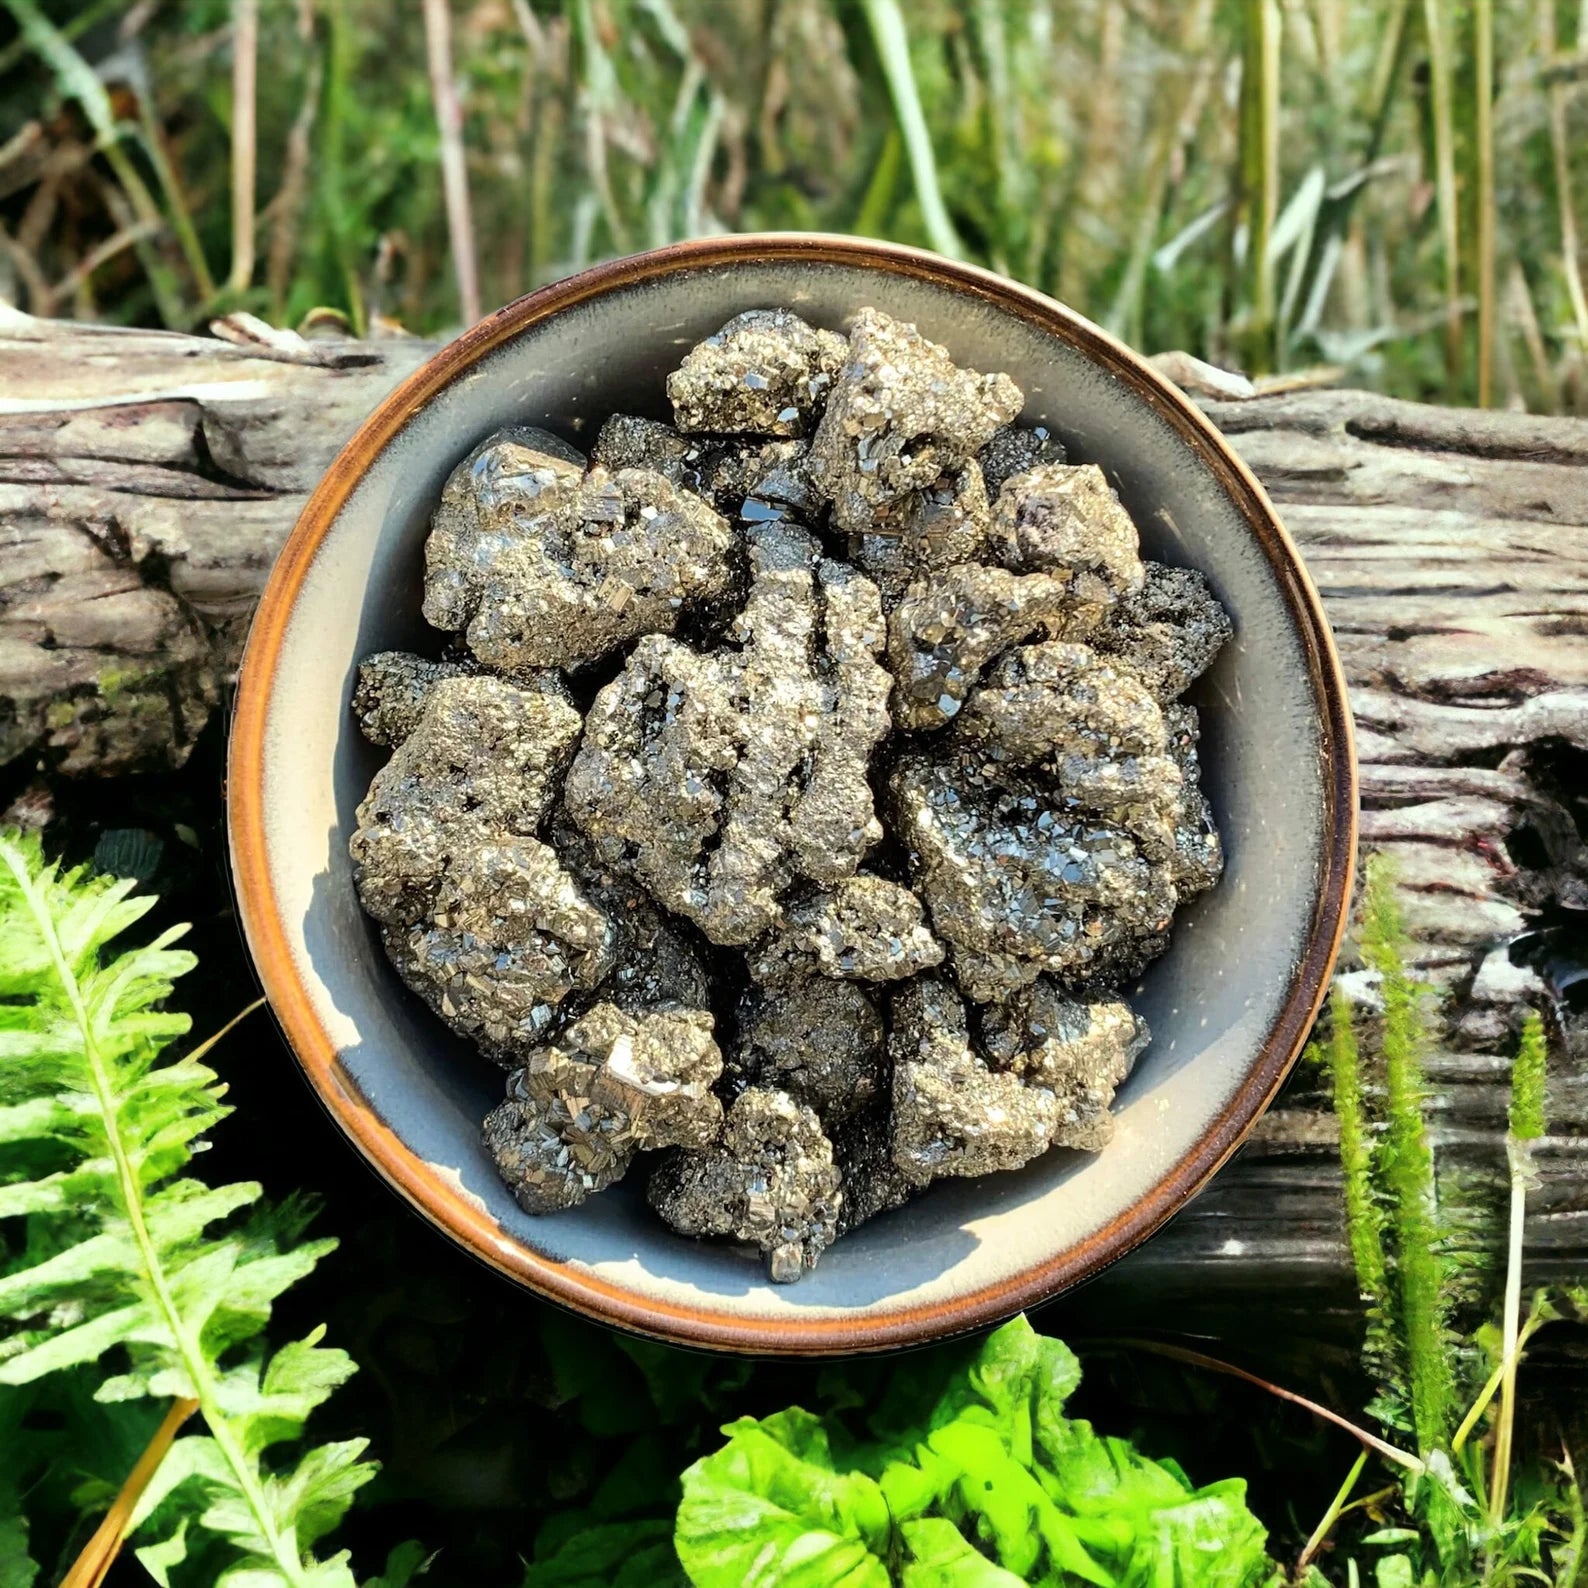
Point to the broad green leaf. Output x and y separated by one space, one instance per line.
941 1557
1013 1516
1143 1521
769 1510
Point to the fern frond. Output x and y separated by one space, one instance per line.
124 1252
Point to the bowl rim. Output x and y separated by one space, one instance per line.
703 1325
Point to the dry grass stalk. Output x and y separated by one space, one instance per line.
454 167
245 66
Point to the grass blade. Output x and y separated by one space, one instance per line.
245 67
892 40
1440 78
1259 169
1483 132
454 166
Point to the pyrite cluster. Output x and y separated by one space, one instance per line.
801 783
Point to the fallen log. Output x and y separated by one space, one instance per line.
147 481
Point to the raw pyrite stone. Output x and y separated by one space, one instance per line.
611 1085
771 1184
818 1040
1018 882
580 568
951 1114
863 928
478 915
947 522
1081 1052
901 415
1169 631
1014 449
1065 521
392 688
718 779
951 624
766 372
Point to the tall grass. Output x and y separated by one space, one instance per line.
1386 185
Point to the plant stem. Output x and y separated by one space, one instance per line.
206 1389
1332 1515
1260 168
1483 26
1435 26
892 40
454 167
1408 1166
1521 1165
1362 1220
1527 1122
1178 1353
245 70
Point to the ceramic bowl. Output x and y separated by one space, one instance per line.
1229 1004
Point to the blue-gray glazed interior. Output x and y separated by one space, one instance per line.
1212 1001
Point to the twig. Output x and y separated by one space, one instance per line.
41 296
128 237
100 1552
454 168
893 49
1180 1353
245 67
235 1021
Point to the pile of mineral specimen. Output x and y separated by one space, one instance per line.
799 786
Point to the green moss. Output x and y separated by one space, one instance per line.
1528 1075
1421 1264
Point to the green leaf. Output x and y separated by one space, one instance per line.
769 1508
158 1559
1395 1571
1013 1514
407 1561
941 1557
1143 1520
612 1555
18 1569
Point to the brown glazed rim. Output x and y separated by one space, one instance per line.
586 1292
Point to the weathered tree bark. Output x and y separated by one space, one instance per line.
147 480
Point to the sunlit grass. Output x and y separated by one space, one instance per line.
1386 185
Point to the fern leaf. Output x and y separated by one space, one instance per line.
125 1253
